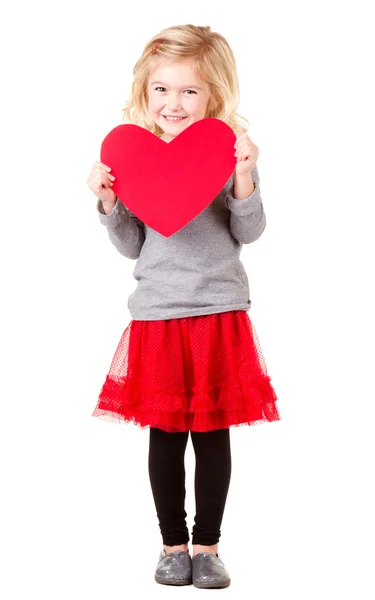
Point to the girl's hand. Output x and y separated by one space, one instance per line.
100 182
246 152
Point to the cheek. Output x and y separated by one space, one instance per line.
196 108
154 104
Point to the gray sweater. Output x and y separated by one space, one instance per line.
197 270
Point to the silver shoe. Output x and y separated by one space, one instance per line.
174 568
208 571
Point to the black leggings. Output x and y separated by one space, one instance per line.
213 467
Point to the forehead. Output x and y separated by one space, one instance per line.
174 73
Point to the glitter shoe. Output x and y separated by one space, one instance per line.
208 571
174 568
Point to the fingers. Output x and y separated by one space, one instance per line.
240 136
100 164
100 177
243 150
243 147
102 168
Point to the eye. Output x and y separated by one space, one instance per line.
163 88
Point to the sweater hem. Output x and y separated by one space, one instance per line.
190 313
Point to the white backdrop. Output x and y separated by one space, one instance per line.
78 519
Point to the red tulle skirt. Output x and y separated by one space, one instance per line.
192 373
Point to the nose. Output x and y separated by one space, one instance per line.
173 102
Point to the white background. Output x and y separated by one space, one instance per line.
77 515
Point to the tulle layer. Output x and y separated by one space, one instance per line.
195 373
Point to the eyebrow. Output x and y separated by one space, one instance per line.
186 87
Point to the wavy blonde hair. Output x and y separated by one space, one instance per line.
213 63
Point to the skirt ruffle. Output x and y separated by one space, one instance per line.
193 373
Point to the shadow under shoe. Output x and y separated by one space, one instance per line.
208 571
174 568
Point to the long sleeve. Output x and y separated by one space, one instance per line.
247 219
125 230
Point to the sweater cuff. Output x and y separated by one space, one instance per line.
112 217
247 205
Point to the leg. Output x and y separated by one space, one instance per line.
212 478
167 477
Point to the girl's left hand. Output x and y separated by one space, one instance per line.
246 153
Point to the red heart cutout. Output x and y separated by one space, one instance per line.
166 185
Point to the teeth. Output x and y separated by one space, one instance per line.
173 118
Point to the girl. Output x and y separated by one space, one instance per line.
190 360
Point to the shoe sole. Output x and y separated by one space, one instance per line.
207 585
174 582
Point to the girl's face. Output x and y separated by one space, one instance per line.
175 91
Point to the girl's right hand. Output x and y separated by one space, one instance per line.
100 183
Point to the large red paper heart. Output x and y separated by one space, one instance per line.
165 184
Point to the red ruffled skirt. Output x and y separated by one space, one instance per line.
192 373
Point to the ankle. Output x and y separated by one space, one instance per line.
200 548
169 549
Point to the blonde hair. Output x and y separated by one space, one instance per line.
213 63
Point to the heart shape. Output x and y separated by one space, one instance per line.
166 185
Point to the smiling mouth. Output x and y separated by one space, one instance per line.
173 119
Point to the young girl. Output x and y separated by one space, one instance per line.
190 359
